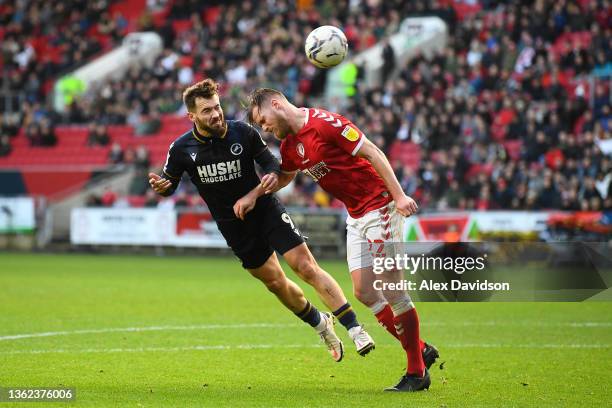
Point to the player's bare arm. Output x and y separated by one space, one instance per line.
404 204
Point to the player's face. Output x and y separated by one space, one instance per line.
208 115
271 120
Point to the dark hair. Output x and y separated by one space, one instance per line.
204 89
258 97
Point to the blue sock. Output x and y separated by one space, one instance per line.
346 316
310 315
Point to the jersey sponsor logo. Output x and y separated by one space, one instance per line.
318 171
350 133
217 172
236 149
300 149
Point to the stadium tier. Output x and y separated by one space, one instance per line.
505 97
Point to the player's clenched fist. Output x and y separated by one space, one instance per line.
244 205
269 182
406 206
158 184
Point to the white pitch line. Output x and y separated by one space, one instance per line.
285 325
147 328
287 346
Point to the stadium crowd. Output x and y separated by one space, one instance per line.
513 114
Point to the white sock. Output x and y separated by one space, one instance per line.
322 324
353 331
402 306
378 306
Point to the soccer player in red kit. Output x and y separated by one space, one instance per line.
337 155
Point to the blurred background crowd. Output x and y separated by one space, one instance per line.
514 113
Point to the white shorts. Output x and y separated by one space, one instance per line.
366 236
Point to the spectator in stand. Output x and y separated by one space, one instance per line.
108 197
388 58
549 196
5 145
151 199
48 137
115 155
98 135
141 163
149 124
589 192
33 134
182 200
93 201
9 126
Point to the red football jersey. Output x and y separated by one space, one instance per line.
325 149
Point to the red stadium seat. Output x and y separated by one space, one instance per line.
408 153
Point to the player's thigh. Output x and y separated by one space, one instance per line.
384 229
270 271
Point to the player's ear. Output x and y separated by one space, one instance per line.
191 116
275 103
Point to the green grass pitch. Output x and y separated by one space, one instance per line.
143 331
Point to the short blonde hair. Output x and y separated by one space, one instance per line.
260 96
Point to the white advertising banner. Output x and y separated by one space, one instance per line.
129 226
17 214
510 221
144 226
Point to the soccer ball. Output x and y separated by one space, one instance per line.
326 46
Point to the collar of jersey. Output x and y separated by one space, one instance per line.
207 138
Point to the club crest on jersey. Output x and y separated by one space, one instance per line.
236 149
300 149
350 133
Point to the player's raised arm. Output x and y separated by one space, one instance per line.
404 204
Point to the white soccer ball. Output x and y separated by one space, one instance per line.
326 46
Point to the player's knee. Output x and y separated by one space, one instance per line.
275 284
366 296
307 270
396 296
